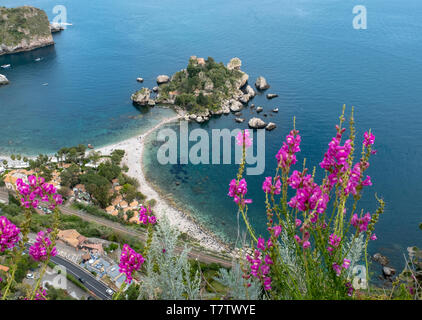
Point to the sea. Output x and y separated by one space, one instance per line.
310 52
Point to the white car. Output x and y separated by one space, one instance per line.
30 276
110 292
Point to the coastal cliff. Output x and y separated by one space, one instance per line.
23 29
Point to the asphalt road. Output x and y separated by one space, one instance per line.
92 284
96 287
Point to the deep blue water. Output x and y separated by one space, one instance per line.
307 50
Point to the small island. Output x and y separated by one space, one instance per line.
204 88
23 29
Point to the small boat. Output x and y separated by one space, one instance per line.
38 59
5 66
45 84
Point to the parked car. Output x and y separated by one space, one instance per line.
110 292
81 280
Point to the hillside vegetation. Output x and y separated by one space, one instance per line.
23 28
201 85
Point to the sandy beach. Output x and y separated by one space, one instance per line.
134 148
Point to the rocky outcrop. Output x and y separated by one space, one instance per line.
141 97
378 257
3 80
56 27
245 98
257 123
23 29
242 81
236 106
270 126
271 96
388 272
234 64
250 91
239 120
259 109
162 79
261 83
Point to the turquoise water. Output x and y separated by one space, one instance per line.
307 50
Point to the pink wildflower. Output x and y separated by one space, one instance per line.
361 223
37 190
238 190
277 231
334 240
244 138
286 156
130 261
268 187
369 139
39 250
146 216
9 234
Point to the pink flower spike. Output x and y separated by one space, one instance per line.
306 244
261 244
244 138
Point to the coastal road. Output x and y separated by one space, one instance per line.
92 284
89 281
195 253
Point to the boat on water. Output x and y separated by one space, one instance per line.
38 59
5 66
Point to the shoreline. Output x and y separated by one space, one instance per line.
134 150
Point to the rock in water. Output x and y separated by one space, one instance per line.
3 80
140 80
236 106
245 98
275 110
162 79
388 272
155 89
261 84
141 97
271 126
32 30
378 257
56 27
259 109
257 123
272 96
250 91
90 146
239 120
